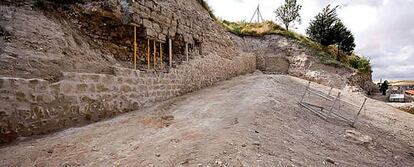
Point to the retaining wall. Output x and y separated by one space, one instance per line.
35 106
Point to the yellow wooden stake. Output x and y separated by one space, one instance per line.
155 54
161 55
170 52
149 52
135 47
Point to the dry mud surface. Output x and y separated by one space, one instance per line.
252 120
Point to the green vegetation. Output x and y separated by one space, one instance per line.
268 28
328 29
289 13
362 64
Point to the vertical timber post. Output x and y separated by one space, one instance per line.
149 52
334 102
161 56
186 50
304 94
135 47
155 54
359 112
170 51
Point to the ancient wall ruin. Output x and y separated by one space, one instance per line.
186 23
36 106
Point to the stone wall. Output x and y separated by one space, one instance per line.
36 106
182 21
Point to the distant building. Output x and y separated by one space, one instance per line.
410 92
396 96
402 85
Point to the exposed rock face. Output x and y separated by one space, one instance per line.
277 54
94 35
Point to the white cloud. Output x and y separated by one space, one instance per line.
383 29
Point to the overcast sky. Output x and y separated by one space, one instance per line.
384 29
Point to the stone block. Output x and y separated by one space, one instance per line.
70 76
126 88
147 23
55 88
108 79
81 88
67 88
20 96
150 33
3 83
94 77
101 88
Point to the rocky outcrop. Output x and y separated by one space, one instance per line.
278 54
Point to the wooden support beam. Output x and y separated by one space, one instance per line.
186 50
359 112
155 54
161 56
170 52
135 47
306 90
338 98
149 52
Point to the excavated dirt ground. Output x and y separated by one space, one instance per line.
252 120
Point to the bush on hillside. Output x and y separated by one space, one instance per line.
362 64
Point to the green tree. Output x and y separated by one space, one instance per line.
288 13
328 29
384 87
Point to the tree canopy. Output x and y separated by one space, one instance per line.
328 29
288 13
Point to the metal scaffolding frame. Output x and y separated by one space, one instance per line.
331 101
258 15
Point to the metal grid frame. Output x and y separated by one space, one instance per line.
331 101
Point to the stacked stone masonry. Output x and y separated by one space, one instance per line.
183 21
36 106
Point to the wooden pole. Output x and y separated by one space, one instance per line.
155 54
306 90
161 55
186 50
359 112
135 47
333 105
170 51
149 52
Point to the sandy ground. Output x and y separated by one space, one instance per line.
252 120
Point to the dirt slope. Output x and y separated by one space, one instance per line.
33 44
251 120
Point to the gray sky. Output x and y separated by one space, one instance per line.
384 29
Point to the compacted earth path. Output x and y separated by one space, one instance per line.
251 120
